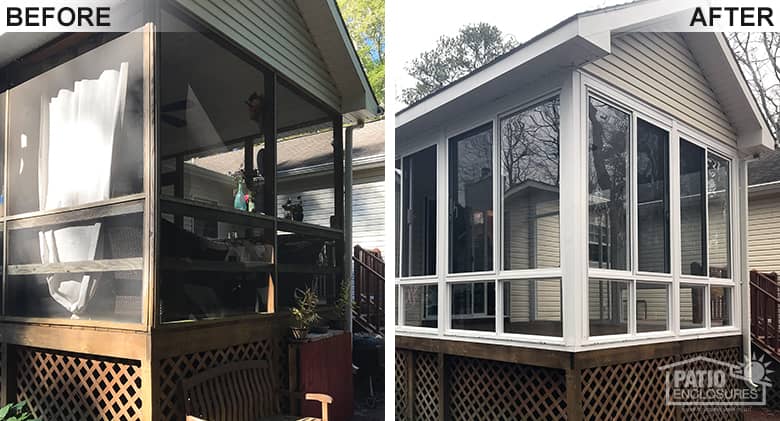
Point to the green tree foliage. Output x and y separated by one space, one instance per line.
474 46
366 24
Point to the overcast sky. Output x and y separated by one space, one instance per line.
415 25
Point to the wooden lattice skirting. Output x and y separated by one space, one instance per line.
441 386
63 386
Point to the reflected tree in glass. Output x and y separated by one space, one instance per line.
718 216
653 198
471 201
692 209
530 156
608 141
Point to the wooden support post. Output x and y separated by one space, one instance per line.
269 176
574 394
150 384
444 390
410 386
9 363
338 171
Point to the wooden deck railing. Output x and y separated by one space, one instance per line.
368 314
765 311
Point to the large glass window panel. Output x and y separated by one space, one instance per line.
473 306
719 216
652 198
76 131
530 159
420 305
533 307
693 230
79 267
471 201
418 250
720 306
609 132
305 152
307 261
608 307
212 265
691 306
652 307
211 121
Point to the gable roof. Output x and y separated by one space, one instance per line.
306 41
586 37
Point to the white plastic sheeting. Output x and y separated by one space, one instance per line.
74 167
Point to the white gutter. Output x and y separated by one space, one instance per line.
348 218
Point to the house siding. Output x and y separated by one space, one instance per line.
659 69
275 31
763 232
368 215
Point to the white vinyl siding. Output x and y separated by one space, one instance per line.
764 232
275 31
368 212
659 69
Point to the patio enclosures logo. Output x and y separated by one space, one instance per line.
703 381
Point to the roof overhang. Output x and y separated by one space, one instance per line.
323 21
586 37
332 38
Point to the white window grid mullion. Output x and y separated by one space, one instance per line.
633 203
675 228
499 312
442 228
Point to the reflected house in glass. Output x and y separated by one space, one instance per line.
136 256
571 217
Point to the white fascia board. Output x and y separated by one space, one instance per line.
492 71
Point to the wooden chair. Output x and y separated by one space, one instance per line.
243 391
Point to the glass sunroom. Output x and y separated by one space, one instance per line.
146 230
570 213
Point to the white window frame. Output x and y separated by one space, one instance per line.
574 271
677 129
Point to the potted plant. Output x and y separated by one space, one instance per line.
343 304
304 313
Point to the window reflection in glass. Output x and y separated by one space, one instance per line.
420 305
533 307
76 131
652 307
720 306
718 211
471 201
419 214
653 198
608 140
608 307
530 156
693 229
691 306
473 306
